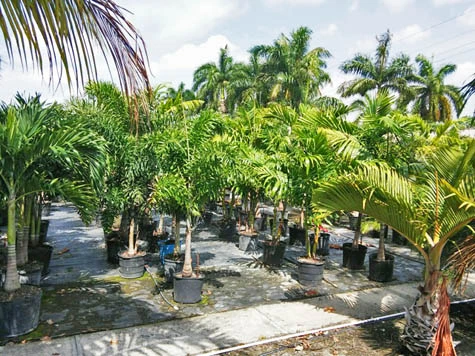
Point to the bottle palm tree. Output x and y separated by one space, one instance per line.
67 30
296 74
428 209
435 100
214 81
42 153
377 73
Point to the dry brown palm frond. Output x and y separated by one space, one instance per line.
461 261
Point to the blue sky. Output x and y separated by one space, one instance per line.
182 34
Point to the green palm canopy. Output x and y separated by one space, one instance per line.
428 209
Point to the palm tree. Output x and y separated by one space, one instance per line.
467 91
67 30
214 82
296 74
428 209
434 100
39 153
377 73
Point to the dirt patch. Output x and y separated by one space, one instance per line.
373 339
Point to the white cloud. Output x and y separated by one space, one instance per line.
294 2
179 65
164 23
411 34
365 45
354 5
439 3
397 5
468 17
331 29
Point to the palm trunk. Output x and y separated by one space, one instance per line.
131 249
427 321
12 282
381 253
187 264
177 248
356 238
161 223
252 213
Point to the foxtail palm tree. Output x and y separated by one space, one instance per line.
41 153
435 100
428 210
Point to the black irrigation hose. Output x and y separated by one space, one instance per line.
147 268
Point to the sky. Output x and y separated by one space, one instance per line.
180 35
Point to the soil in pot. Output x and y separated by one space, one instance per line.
296 234
273 253
352 258
19 311
172 265
248 242
310 271
41 254
187 290
381 271
131 266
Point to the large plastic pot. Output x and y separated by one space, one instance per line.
352 258
310 272
273 253
187 290
131 267
381 271
20 312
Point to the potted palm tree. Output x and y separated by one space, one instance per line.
33 141
428 209
189 185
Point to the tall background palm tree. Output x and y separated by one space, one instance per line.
296 72
377 73
435 100
214 81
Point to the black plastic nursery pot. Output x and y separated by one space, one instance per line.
352 258
43 231
227 229
30 273
310 272
113 247
323 248
248 242
187 290
131 266
42 254
398 239
171 267
19 311
296 234
273 253
381 271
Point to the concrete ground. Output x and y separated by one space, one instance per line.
88 310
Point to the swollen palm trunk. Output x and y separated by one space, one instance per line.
427 330
22 247
12 282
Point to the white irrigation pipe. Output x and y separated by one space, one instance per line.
317 331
